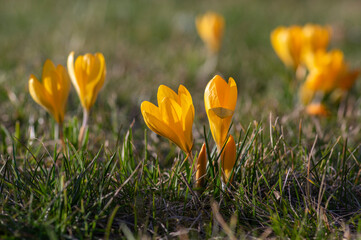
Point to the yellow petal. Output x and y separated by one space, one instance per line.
187 127
39 94
166 92
100 77
219 128
171 111
317 109
71 71
228 159
157 125
47 68
201 166
185 98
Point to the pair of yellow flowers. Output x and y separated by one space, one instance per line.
87 76
174 115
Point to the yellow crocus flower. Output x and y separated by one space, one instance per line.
173 118
220 100
201 166
87 76
329 71
210 27
228 159
52 92
287 43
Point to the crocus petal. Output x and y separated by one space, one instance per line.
39 94
317 109
219 127
171 111
157 125
228 159
100 77
48 68
201 166
166 92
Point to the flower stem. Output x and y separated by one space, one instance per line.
83 126
61 135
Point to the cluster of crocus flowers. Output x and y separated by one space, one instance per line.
210 27
52 92
291 44
327 72
173 118
174 115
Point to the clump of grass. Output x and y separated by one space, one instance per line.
279 189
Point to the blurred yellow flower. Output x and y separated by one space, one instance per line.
210 27
201 166
87 76
173 118
220 100
329 71
228 159
52 93
287 43
317 109
293 43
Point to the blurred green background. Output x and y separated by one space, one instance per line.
148 43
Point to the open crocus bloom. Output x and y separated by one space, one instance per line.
228 159
220 100
329 71
210 27
173 118
52 92
87 76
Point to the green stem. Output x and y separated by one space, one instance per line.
83 126
61 135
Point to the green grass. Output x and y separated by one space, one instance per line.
296 176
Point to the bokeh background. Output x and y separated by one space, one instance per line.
148 43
